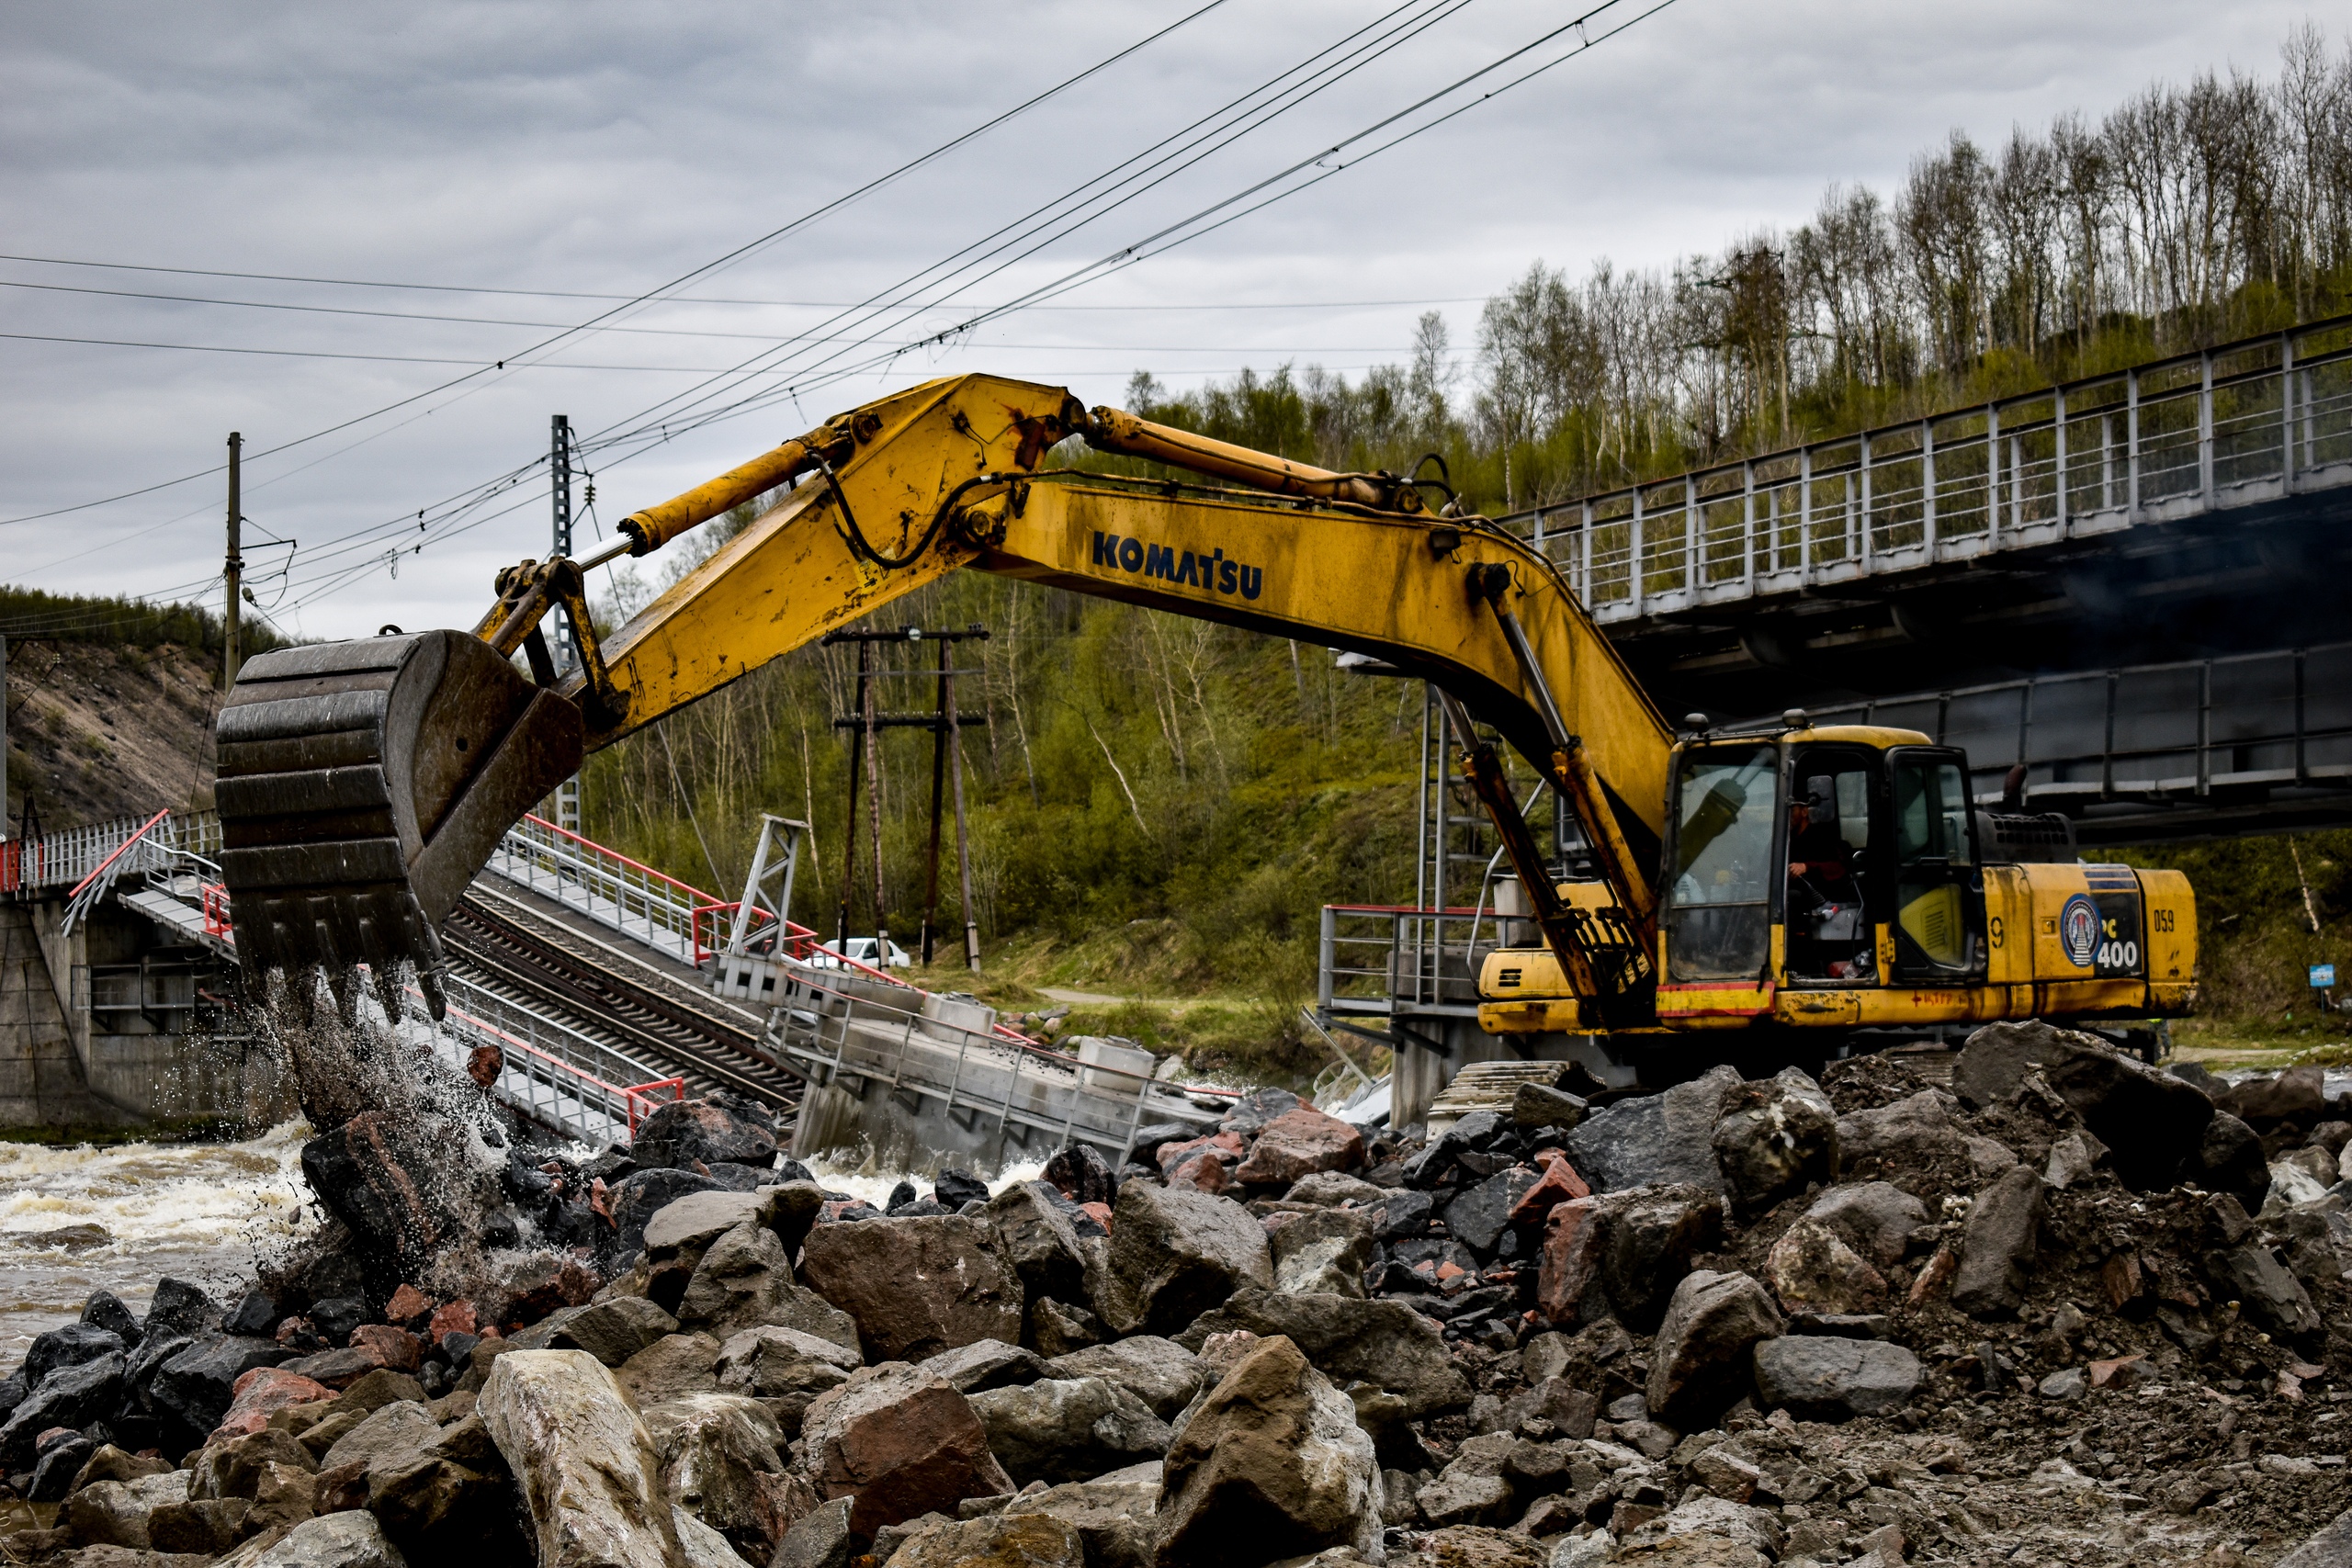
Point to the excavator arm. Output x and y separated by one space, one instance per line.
946 475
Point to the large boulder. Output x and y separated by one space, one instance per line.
115 1513
614 1330
69 1347
409 1186
69 1396
1699 1363
1648 1240
1875 1218
2230 1158
901 1443
1655 1140
984 1364
2251 1274
1827 1380
915 1287
1068 1430
1028 1540
1913 1138
589 1470
785 1368
1111 1514
1160 1373
718 1453
1175 1254
671 1368
1812 1268
642 1194
1270 1464
349 1540
1326 1251
1385 1343
1035 1236
2297 1096
1776 1136
1479 1214
1998 1244
718 1128
2150 1122
1300 1143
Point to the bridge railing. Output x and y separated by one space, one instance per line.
1374 957
2232 425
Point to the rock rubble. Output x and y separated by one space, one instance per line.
2034 1303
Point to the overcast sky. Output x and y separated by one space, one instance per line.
596 148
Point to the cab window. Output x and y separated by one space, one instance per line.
1938 911
1718 922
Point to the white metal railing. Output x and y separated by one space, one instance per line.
605 884
549 1071
2237 426
1375 957
831 1034
70 856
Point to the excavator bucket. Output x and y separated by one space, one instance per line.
362 785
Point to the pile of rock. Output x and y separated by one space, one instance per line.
2067 1300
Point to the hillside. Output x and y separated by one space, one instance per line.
99 730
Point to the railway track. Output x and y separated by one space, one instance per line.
707 1050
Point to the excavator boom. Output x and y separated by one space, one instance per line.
353 849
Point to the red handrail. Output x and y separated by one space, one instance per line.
693 894
217 921
119 850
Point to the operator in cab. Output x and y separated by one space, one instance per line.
1828 937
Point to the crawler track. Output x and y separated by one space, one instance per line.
707 1051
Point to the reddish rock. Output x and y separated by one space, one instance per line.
1571 1257
1100 1213
292 1329
407 1305
1203 1172
915 1286
2125 1372
261 1392
1558 1184
397 1347
1173 1155
900 1442
1300 1143
456 1317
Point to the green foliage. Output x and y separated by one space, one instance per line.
29 614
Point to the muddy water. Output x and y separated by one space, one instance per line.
199 1211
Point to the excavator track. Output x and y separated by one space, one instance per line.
706 1051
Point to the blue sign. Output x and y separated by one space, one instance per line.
2323 977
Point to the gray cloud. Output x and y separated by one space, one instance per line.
603 148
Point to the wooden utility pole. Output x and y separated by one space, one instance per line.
849 825
963 839
234 572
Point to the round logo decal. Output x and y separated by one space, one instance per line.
2078 929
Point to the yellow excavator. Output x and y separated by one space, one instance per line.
1790 879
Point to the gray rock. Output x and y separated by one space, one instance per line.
1699 1363
1174 1254
2270 1294
1821 1379
1111 1514
197 1385
589 1470
69 1347
1386 1344
1647 1243
2230 1160
1535 1105
69 1396
786 1368
1998 1244
1270 1464
984 1364
1812 1269
715 1448
2151 1122
615 1329
1777 1136
641 1195
1478 1215
671 1368
400 1429
1875 1218
700 1546
104 1309
820 1539
1655 1140
1335 1187
352 1539
1160 1373
1057 1327
1912 1134
1030 1540
1035 1235
1060 1431
744 1282
915 1286
2329 1548
2066 1385
115 1513
1326 1252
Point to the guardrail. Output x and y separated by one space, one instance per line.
2242 424
991 1073
69 857
1374 957
538 1079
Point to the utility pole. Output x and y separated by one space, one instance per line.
567 655
4 738
849 825
235 571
